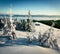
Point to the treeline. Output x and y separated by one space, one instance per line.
1 24
24 25
49 22
21 24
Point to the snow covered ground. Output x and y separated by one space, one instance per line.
27 50
18 47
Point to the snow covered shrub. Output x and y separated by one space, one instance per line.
29 38
34 38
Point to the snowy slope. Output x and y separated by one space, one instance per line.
31 49
27 50
42 28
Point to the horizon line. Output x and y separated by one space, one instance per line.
31 14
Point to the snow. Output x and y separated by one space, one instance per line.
27 50
43 28
31 49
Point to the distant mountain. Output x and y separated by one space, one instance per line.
16 15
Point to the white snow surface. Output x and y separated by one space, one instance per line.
31 49
42 28
27 50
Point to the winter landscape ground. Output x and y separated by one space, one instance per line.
21 45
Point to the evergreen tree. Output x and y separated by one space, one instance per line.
18 25
28 25
23 25
1 24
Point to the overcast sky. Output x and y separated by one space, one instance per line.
42 7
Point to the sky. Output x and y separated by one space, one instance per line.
36 7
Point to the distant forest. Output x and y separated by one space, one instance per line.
49 22
7 15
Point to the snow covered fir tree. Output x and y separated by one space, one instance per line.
25 24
